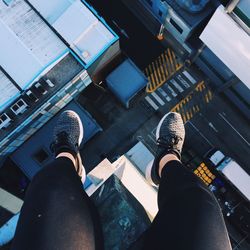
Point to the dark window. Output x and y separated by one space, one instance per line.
176 25
20 103
41 156
3 117
15 107
160 13
150 2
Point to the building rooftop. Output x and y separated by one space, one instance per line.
8 90
59 75
86 34
192 19
27 46
230 45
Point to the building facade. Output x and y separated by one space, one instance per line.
180 18
225 56
186 20
47 59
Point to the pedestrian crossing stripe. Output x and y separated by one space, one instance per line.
162 69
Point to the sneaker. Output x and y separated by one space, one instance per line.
170 135
67 137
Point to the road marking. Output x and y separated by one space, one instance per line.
159 100
189 77
165 65
184 82
180 89
172 91
238 133
151 102
171 60
161 69
155 73
164 94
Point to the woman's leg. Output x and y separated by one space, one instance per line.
57 213
189 216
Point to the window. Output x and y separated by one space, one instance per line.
179 29
20 103
32 96
41 156
4 121
150 2
3 117
15 107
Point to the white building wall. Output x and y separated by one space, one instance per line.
230 43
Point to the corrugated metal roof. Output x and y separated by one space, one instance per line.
27 44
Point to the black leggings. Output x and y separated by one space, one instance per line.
58 214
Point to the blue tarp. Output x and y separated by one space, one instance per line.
126 81
24 156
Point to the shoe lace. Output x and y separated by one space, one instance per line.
169 141
61 139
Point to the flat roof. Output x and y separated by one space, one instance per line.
27 45
237 176
8 91
87 35
230 43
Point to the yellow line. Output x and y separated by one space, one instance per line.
177 108
184 117
194 110
206 98
168 63
180 104
171 60
203 86
150 79
177 65
155 73
161 68
187 114
152 76
197 88
164 65
210 95
158 71
191 113
197 108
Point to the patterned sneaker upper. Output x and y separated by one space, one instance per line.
67 137
170 135
68 133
